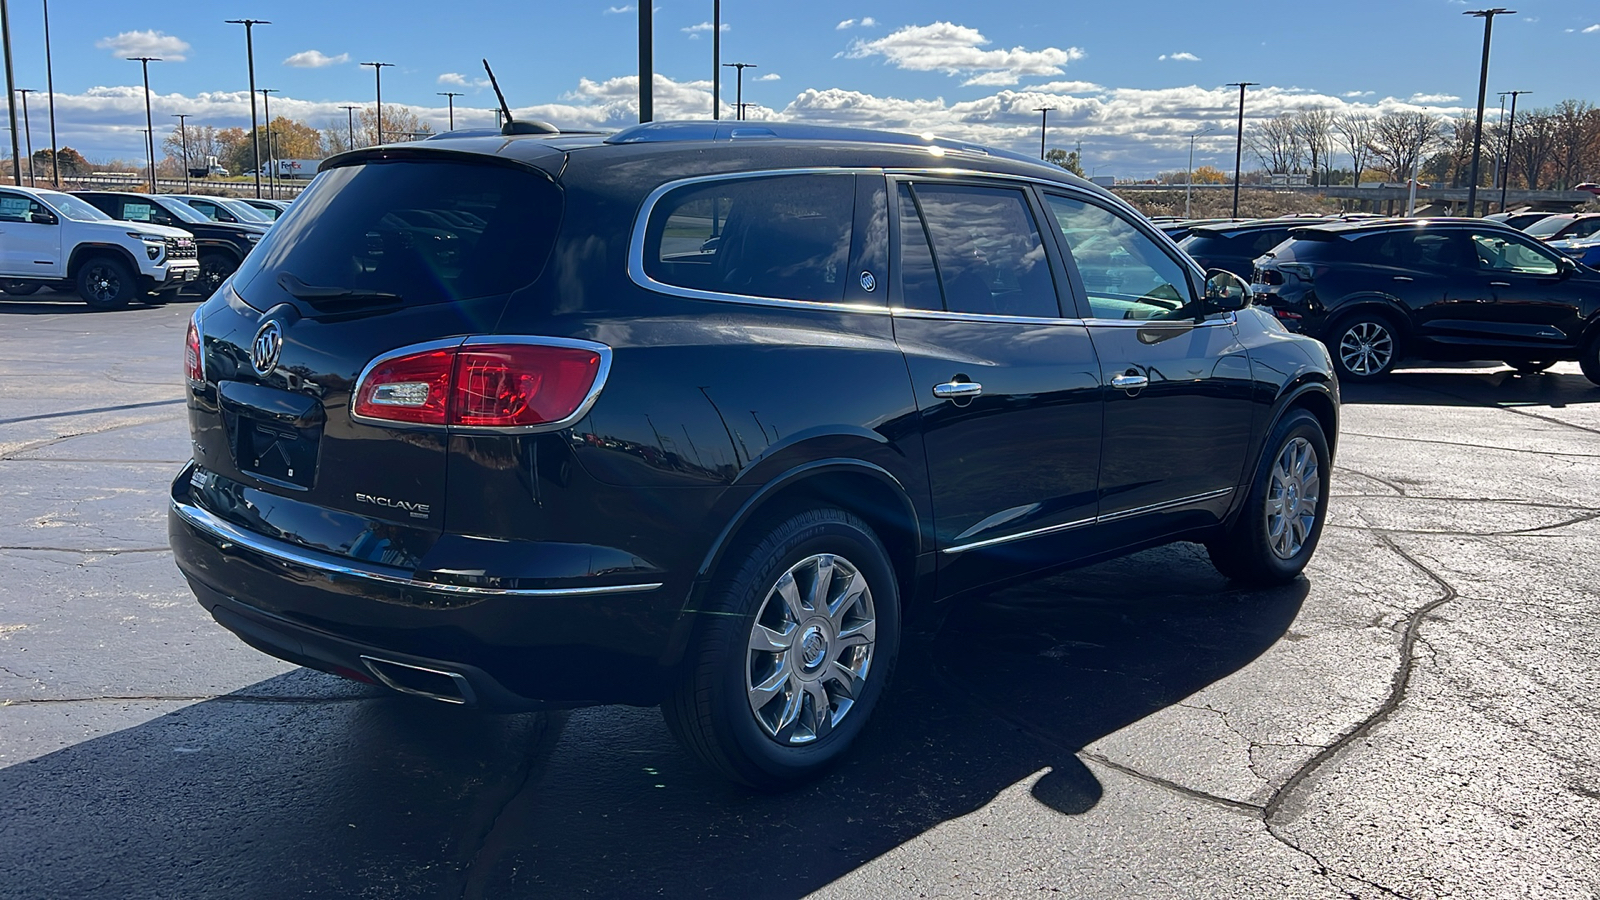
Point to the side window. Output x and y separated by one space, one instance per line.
17 208
785 237
137 211
987 250
209 210
1126 275
1498 253
1583 228
919 280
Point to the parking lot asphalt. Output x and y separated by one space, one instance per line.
1416 718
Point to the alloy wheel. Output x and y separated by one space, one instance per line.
1293 497
104 284
810 649
1366 348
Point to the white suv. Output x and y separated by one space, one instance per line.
51 239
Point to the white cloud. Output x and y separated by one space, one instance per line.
867 22
847 23
315 59
1433 99
456 79
146 43
770 76
694 31
615 10
1590 30
1067 87
1356 94
1179 57
957 50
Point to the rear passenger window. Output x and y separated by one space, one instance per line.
919 280
986 249
1416 250
785 237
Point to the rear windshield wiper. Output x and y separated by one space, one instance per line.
318 294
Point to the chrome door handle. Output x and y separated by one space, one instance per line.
1130 382
956 390
1403 278
1499 284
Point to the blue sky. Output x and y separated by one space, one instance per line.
1131 80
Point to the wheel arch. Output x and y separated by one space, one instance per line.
82 253
1314 394
1369 302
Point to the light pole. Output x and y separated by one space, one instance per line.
739 96
50 87
11 97
1188 187
1511 125
1487 15
183 138
350 116
377 73
149 127
451 97
1044 123
1238 147
647 63
272 170
255 127
27 130
716 59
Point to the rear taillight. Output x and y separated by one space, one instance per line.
1268 276
489 385
194 361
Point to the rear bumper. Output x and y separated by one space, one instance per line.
509 648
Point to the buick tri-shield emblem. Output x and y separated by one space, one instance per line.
266 347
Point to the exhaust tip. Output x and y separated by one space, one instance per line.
435 684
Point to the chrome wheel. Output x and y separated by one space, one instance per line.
1366 348
1293 497
810 649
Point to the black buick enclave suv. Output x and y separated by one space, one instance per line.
705 415
1443 289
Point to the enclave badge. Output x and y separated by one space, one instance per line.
265 348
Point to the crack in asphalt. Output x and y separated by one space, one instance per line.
59 439
106 551
487 840
1412 440
91 411
1378 529
175 698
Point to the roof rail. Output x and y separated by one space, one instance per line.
665 132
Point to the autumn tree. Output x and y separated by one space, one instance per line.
1065 159
1576 142
1400 141
1533 142
399 124
72 162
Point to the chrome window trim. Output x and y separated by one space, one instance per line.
641 222
203 520
478 340
901 312
1107 517
1228 318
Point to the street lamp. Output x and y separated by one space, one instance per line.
1044 123
647 63
1238 148
27 130
739 97
183 137
1487 15
1188 187
1511 124
255 127
272 170
350 116
149 127
50 86
377 72
11 99
716 59
451 97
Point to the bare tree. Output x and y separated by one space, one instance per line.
399 124
1355 133
1277 143
1400 141
1533 144
1315 130
203 142
1577 141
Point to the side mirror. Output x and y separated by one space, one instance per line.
44 218
1567 266
1225 291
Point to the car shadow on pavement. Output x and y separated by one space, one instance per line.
303 786
1441 387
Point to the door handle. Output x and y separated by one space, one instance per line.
1130 382
1499 284
957 390
1403 278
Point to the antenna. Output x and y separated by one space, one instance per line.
494 83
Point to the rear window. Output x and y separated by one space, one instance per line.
423 231
782 237
1250 244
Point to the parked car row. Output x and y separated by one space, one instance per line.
114 247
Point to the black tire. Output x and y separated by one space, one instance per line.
1530 366
214 270
19 288
710 709
104 282
1246 552
1365 345
1590 360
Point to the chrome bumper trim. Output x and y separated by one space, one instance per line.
226 531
